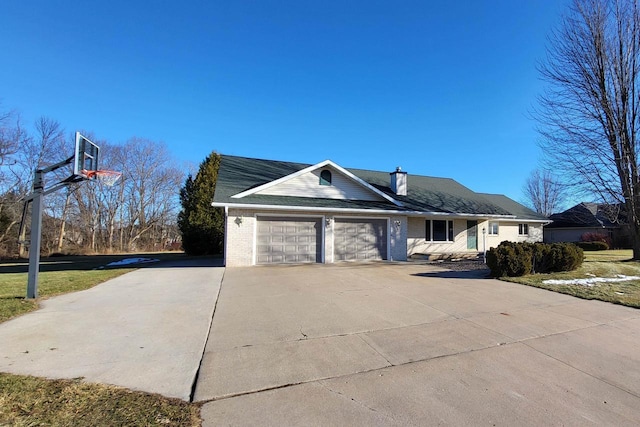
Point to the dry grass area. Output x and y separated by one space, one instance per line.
31 401
600 264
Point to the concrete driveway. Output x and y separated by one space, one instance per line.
145 330
408 344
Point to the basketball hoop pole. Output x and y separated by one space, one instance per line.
36 198
85 159
36 225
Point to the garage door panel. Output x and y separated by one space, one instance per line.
360 239
288 240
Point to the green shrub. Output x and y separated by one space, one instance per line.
509 259
572 257
519 259
593 246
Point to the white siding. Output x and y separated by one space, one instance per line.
240 244
417 244
509 231
239 237
308 185
398 238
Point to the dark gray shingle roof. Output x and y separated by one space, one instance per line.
588 215
425 194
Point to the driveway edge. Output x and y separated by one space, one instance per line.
194 383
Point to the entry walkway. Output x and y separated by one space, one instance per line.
145 330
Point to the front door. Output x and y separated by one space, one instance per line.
472 235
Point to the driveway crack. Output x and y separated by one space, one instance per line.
358 402
347 397
596 377
375 349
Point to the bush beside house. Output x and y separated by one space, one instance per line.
519 259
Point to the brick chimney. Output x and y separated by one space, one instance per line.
399 182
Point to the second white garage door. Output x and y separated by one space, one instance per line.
288 240
360 239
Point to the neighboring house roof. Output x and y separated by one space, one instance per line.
241 182
587 215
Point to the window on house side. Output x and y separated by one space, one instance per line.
523 229
438 230
493 228
325 177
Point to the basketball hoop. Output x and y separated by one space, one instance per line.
107 177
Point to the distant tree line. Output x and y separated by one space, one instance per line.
137 214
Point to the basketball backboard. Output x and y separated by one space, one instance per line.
86 156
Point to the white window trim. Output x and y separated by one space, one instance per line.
520 227
489 228
447 231
329 182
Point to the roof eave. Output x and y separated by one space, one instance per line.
364 210
311 168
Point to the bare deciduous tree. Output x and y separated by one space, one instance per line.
544 192
140 209
151 181
589 113
13 139
8 144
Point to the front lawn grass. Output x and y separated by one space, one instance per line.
31 401
601 264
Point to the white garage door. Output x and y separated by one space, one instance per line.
360 239
288 240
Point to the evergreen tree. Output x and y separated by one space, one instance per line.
201 225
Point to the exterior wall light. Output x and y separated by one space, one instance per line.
238 220
327 221
397 223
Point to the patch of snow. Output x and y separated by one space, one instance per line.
128 261
592 281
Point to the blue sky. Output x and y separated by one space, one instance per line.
440 88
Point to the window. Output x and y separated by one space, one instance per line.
439 230
493 228
325 177
523 229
